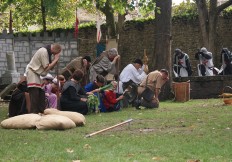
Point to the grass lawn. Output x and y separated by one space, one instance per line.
175 132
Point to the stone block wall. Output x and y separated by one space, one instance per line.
24 46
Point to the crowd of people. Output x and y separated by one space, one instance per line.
81 78
182 66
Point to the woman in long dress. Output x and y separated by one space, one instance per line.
73 97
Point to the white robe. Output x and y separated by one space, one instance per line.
131 73
208 66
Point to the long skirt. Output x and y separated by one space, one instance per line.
76 106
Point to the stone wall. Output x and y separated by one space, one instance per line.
185 35
134 38
208 86
24 46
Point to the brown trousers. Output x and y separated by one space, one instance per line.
37 99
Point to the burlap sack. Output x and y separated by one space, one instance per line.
76 117
25 121
56 122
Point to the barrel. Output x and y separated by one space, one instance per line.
181 91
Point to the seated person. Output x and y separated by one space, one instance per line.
56 89
93 87
226 58
73 97
20 101
206 67
111 99
182 66
51 98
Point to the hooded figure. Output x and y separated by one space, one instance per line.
104 64
226 58
205 68
182 66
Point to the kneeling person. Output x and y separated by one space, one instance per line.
111 99
154 81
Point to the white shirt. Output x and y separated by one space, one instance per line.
131 73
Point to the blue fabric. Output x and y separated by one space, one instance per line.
100 48
101 106
89 87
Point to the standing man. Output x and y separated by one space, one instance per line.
104 64
154 81
40 65
182 66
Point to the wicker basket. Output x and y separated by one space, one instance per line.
227 97
227 101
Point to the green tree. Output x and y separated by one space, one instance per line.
111 8
185 10
208 18
46 13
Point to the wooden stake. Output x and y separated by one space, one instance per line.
58 86
10 23
103 130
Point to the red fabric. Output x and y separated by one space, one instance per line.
109 99
35 85
76 27
98 35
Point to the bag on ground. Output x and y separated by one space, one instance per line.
56 122
26 121
76 117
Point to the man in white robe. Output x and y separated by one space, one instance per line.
130 77
132 73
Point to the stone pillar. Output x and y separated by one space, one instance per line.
10 75
10 58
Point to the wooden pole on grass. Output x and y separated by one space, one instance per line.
114 126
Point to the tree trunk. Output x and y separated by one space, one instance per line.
109 13
43 15
121 19
213 17
204 21
208 21
162 55
10 23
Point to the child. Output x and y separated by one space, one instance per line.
51 98
110 98
94 88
